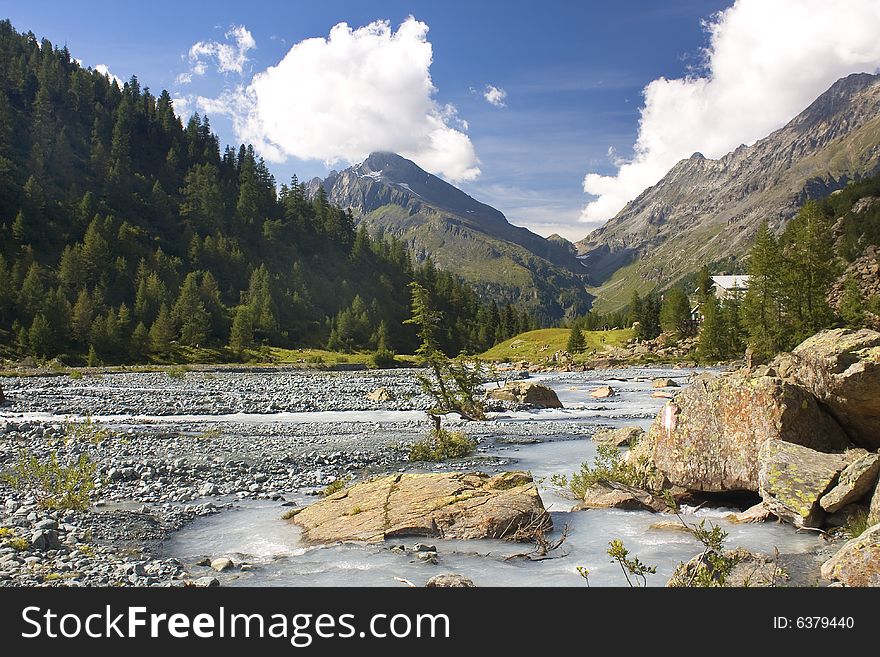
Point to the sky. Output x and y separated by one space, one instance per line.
557 113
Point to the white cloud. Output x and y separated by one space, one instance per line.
230 56
103 69
337 99
766 62
495 96
183 107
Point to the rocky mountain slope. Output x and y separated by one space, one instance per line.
392 195
706 211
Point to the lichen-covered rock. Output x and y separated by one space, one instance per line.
614 495
857 563
459 505
856 481
622 437
793 479
841 367
450 580
757 513
663 383
874 508
523 392
709 436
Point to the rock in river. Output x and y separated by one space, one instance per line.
449 581
445 505
602 392
841 367
708 438
857 563
523 392
794 478
614 495
622 437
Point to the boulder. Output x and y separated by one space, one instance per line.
222 563
662 394
874 508
857 563
622 437
449 581
447 505
523 392
709 436
614 495
381 395
757 513
841 367
2 396
856 481
793 479
45 539
602 392
663 383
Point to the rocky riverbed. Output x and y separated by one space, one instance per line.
172 449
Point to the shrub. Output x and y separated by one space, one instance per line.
177 372
19 544
633 569
75 375
314 359
382 358
856 524
336 486
440 445
55 486
88 431
607 466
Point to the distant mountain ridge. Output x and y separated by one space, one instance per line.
392 195
705 211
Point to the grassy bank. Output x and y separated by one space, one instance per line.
536 346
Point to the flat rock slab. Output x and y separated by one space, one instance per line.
793 479
622 437
857 563
459 506
614 495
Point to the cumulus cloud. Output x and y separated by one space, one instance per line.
766 62
495 96
104 70
339 98
230 57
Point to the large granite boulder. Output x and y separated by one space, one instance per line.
841 367
857 563
874 509
793 479
855 482
709 436
459 505
523 392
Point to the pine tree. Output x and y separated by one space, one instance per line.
241 336
675 313
162 332
762 305
712 333
852 308
40 336
576 341
189 313
140 341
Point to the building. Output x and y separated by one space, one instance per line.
726 287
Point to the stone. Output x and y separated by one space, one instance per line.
856 481
750 570
449 580
663 383
874 507
709 437
602 392
857 563
45 539
757 513
2 396
208 489
47 523
222 563
662 394
381 395
670 526
622 437
523 392
441 505
205 582
793 479
614 495
841 367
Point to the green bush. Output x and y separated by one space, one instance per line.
382 358
75 375
55 486
440 445
88 431
334 487
177 372
607 466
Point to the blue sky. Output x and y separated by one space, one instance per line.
573 74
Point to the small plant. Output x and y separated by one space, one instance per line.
633 569
856 524
76 375
356 510
607 466
87 550
290 513
18 544
342 360
55 486
440 445
5 532
336 486
176 372
584 572
87 431
314 359
209 434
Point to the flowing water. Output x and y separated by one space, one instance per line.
254 534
